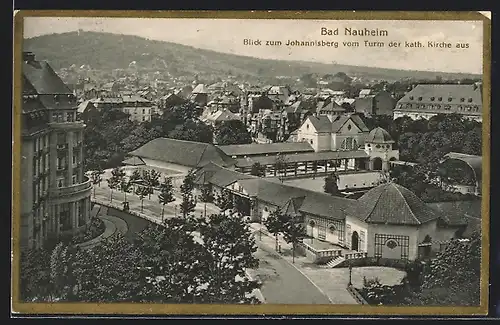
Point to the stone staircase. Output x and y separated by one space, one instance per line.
335 262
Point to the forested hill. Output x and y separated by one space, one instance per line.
105 51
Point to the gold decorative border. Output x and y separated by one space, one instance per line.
268 309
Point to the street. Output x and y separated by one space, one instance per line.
281 282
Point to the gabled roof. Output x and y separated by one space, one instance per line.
200 89
42 78
321 123
84 105
186 153
339 122
391 203
292 206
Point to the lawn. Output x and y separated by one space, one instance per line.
387 275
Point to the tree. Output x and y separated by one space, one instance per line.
142 192
136 176
294 231
117 175
453 277
116 278
95 178
173 260
35 281
275 224
151 179
258 170
125 187
232 132
229 247
206 193
225 200
192 131
188 204
60 272
166 194
280 164
331 186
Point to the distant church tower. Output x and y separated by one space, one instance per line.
378 145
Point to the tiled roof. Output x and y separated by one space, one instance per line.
43 78
186 153
268 148
339 122
321 123
379 135
292 206
431 93
301 157
391 203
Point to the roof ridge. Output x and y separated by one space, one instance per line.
374 205
406 203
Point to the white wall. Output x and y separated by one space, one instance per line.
359 180
400 230
358 226
164 165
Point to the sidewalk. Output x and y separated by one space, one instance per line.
333 283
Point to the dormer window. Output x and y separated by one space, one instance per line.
419 98
411 97
450 99
432 98
462 99
470 100
440 98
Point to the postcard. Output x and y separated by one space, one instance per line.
289 163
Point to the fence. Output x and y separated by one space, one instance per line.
356 295
119 207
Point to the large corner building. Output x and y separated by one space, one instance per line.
54 190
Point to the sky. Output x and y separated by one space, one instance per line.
227 35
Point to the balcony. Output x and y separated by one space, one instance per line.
62 146
67 125
72 190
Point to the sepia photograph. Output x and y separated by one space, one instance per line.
174 163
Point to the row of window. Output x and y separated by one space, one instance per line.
470 108
441 99
61 117
40 189
392 242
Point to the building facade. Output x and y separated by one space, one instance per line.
54 190
428 100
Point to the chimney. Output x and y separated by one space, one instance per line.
28 57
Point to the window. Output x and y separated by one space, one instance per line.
349 144
419 98
392 242
450 99
64 216
470 100
60 182
411 97
440 98
349 127
462 100
143 111
447 107
311 141
432 98
74 159
74 179
69 117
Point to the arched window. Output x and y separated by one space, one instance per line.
332 229
312 223
391 243
349 144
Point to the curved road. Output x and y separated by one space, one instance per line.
282 283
